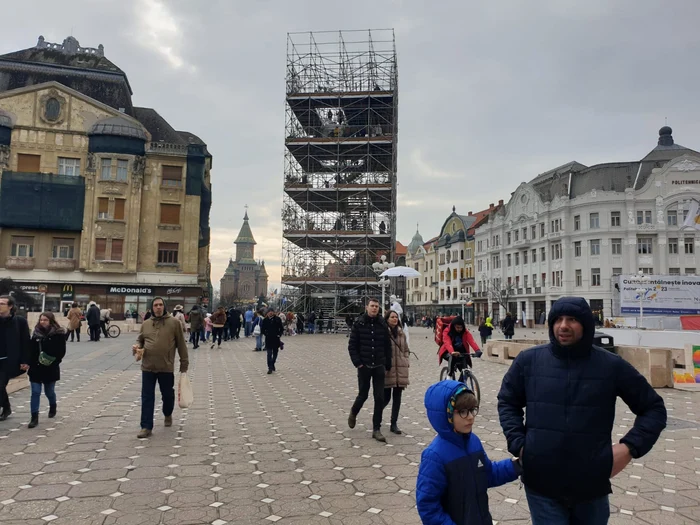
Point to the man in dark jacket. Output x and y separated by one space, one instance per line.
370 351
14 349
272 328
92 316
570 388
234 320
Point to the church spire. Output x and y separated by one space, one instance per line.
245 243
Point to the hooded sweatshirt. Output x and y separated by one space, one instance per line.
570 394
455 471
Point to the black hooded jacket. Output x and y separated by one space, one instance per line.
570 395
369 344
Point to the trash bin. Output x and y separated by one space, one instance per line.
604 341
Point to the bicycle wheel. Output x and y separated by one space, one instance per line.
443 373
473 384
114 330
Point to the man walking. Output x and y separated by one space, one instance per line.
370 351
272 328
14 349
248 318
570 388
92 316
196 323
160 336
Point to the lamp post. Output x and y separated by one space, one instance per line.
641 292
379 268
463 298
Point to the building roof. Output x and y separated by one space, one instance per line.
118 126
158 127
245 236
84 69
400 249
482 217
416 242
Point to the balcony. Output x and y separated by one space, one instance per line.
554 235
646 227
62 264
19 263
522 243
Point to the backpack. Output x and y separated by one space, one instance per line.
440 324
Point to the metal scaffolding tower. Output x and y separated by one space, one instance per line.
341 131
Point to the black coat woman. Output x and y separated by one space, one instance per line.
47 350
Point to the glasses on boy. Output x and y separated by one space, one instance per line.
464 413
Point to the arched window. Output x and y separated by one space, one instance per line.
449 255
461 255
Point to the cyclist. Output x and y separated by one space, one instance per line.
456 341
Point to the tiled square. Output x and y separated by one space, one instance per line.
50 518
273 518
216 505
62 499
374 511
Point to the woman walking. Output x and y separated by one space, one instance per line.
47 350
218 320
74 322
508 326
396 379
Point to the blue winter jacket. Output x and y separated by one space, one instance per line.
570 394
455 471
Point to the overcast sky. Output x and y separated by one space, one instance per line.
491 93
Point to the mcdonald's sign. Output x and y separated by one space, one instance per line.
67 293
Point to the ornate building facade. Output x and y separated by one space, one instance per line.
244 279
99 200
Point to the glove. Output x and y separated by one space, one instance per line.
478 353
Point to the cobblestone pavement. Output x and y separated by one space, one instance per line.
258 448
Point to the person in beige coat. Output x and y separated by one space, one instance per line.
74 322
397 378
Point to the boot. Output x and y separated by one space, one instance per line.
168 421
52 411
34 421
395 429
377 434
352 420
144 433
6 411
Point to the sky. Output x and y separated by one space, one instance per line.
490 93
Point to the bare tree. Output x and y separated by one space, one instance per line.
501 292
8 286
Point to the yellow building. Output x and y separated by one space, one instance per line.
99 200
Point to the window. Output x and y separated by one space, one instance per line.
170 214
672 217
117 247
442 258
63 248
106 169
517 259
595 276
534 256
479 265
461 255
557 278
461 273
595 246
690 271
449 256
577 223
524 234
119 209
498 240
22 247
442 275
534 279
615 218
68 166
577 249
673 246
172 176
555 226
579 278
533 232
508 260
103 208
689 244
644 217
28 163
674 271
167 252
647 271
594 221
525 257
524 281
516 235
122 170
541 229
543 254
617 271
507 238
644 245
556 251
469 254
431 264
454 273
100 249
685 215
544 279
480 246
616 246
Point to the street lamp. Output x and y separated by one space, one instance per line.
463 298
641 292
379 268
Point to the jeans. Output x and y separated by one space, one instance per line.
4 379
227 332
166 382
94 332
218 332
194 337
310 327
547 511
236 331
272 351
396 405
509 337
73 334
375 376
248 328
49 390
103 327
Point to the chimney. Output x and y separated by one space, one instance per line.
491 206
500 203
470 214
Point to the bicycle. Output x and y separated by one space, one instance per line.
466 376
112 329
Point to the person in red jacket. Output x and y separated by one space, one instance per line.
457 340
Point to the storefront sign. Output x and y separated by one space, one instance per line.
41 288
174 291
130 290
67 293
662 294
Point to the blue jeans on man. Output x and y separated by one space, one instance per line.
311 327
272 351
49 390
548 511
259 342
166 382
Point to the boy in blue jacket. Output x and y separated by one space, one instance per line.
455 470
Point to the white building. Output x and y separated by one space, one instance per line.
570 230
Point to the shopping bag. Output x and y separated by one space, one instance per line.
185 396
256 330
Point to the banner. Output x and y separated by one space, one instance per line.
661 295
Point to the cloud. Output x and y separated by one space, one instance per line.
158 30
